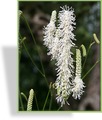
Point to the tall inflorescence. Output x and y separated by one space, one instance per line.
59 41
64 59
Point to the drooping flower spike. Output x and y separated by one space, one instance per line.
77 82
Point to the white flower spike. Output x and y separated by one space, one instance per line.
78 84
64 59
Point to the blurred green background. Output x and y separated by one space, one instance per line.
38 15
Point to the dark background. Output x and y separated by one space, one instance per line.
87 23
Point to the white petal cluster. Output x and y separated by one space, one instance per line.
59 41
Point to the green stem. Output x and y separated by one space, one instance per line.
19 50
24 96
32 60
22 106
46 100
23 39
50 104
90 45
59 108
88 53
19 57
36 47
19 92
31 57
50 101
90 70
36 102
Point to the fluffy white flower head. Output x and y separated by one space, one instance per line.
78 87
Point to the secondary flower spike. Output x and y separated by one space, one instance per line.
78 83
30 100
49 32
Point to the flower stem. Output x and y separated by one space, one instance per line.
59 108
24 96
90 69
50 104
36 102
46 100
36 47
22 106
88 53
32 60
50 101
